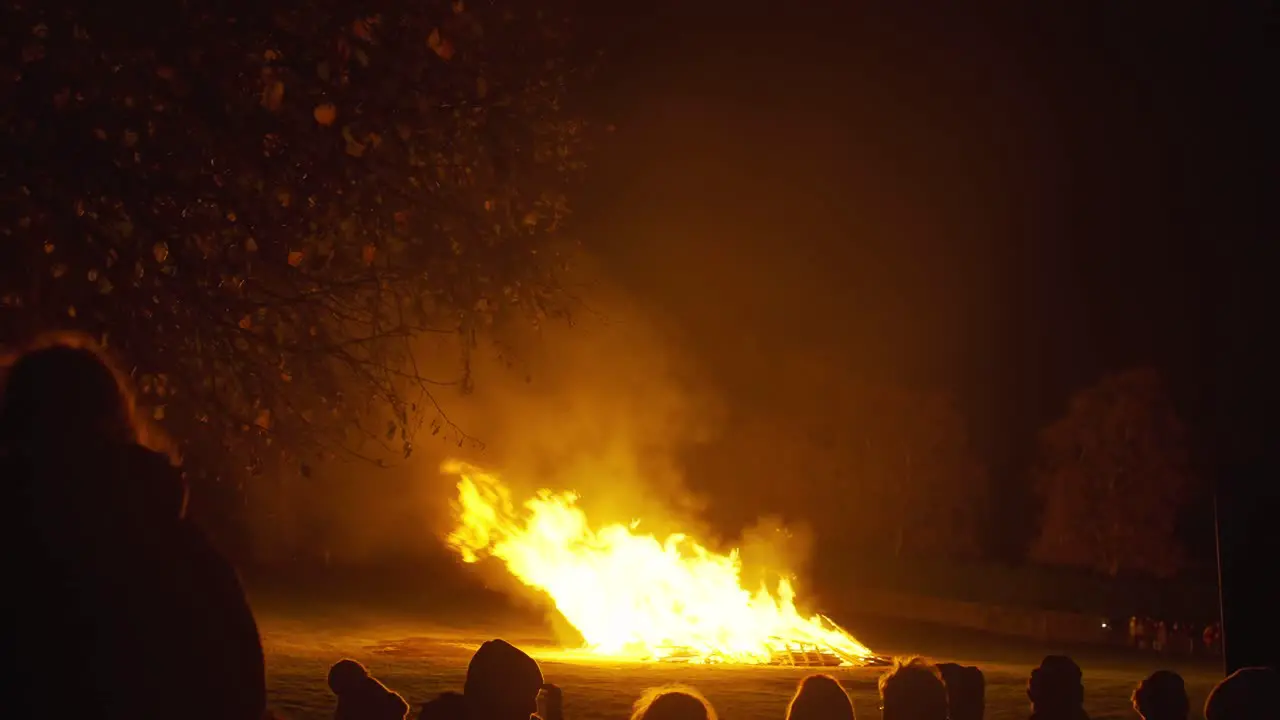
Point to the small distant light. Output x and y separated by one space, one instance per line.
1104 626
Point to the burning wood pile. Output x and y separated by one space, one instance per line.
632 596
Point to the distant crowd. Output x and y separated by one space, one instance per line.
1175 637
118 607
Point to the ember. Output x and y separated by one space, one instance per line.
635 597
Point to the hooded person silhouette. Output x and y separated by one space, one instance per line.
1056 690
502 684
361 696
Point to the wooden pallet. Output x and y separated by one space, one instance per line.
806 657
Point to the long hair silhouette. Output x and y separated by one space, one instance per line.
63 390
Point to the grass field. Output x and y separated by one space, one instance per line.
420 658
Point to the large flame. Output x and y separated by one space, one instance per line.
631 595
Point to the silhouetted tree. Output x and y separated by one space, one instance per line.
1113 474
261 205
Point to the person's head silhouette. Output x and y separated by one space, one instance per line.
820 697
1162 696
502 682
672 702
913 690
1056 688
1252 692
347 677
63 392
966 691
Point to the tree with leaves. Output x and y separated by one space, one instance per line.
1113 475
264 207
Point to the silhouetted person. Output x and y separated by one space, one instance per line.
913 690
1056 690
502 684
1162 696
550 703
361 696
1251 693
1212 637
672 702
118 606
820 697
966 691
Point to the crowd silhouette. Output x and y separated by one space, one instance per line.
115 588
912 689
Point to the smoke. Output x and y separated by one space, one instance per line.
771 548
609 406
604 406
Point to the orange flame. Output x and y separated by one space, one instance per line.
632 596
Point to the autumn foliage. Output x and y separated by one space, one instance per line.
260 205
1114 474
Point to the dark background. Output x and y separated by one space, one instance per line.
1006 202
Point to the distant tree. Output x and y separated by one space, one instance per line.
1113 475
262 205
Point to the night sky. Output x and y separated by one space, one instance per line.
1006 205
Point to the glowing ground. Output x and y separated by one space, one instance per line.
419 661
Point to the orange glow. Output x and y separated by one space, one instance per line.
633 596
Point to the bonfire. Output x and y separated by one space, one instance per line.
632 596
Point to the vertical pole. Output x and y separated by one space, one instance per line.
1217 541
